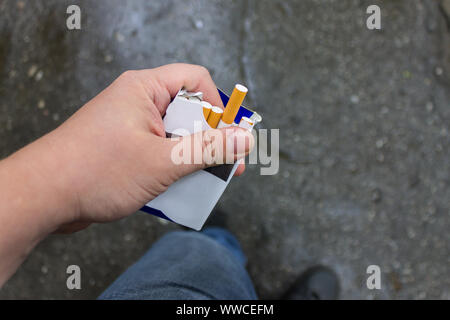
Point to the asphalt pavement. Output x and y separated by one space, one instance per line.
363 118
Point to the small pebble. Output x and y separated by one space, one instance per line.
119 37
32 70
41 104
354 99
44 269
39 75
380 143
198 24
108 58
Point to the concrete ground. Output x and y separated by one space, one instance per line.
364 132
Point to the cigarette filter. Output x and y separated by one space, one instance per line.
233 105
214 117
206 109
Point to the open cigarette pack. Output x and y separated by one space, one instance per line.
190 200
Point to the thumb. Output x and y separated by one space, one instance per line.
209 148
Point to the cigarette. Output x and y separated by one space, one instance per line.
246 123
206 109
233 105
256 118
214 117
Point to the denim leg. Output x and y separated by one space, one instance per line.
187 265
226 239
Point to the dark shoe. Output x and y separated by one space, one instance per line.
317 283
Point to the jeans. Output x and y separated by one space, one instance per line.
187 265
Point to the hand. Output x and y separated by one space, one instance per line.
105 162
114 149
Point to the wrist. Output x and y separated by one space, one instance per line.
37 186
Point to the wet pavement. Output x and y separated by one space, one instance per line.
363 115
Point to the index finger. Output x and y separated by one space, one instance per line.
171 78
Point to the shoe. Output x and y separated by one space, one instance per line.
316 283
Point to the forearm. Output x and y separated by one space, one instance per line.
31 202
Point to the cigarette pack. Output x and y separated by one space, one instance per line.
190 200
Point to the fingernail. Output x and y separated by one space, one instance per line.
240 140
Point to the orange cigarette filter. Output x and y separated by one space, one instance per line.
214 117
206 109
233 105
